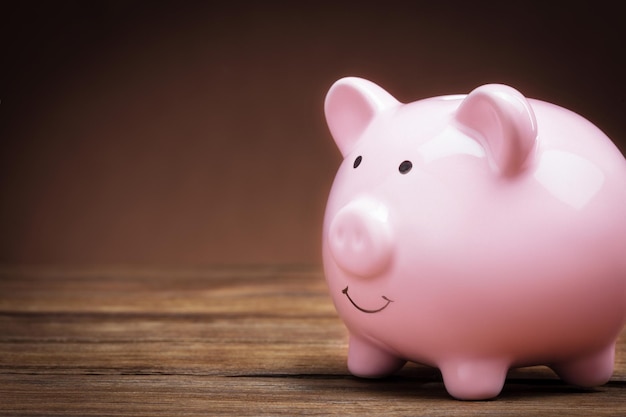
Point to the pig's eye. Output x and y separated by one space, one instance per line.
357 161
405 167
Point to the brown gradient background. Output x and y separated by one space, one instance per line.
191 133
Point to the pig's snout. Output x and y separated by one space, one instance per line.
360 238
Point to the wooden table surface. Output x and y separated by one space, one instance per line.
222 341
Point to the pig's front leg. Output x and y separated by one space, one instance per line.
474 379
369 361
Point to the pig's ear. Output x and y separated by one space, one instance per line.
351 104
500 118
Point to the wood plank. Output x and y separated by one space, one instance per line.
222 341
233 291
138 395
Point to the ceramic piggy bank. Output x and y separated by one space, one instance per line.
474 233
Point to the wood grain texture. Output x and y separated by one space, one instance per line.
222 341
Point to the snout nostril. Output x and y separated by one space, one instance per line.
358 240
350 238
356 236
339 235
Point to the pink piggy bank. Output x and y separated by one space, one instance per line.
474 233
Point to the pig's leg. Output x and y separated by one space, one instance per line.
588 371
369 361
474 379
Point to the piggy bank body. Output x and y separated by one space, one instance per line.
474 233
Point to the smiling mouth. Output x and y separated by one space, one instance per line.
388 301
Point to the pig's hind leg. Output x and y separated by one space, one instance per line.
370 361
589 370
